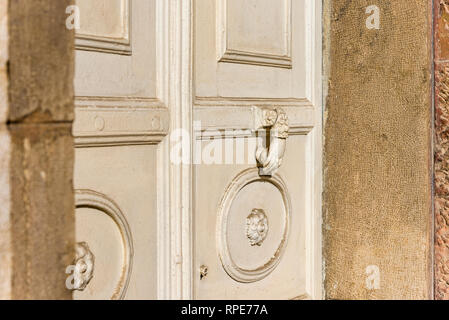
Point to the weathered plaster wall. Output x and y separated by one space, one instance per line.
377 200
36 149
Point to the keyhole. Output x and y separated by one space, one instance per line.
203 272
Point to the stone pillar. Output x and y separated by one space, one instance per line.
36 158
378 162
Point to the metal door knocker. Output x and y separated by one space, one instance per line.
271 122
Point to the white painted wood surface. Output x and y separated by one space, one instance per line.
146 68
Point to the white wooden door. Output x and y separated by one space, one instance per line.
198 149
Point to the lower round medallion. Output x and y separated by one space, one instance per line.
103 232
253 225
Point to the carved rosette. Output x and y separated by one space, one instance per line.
256 227
84 266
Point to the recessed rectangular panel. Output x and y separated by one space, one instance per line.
255 32
261 49
104 25
104 18
103 72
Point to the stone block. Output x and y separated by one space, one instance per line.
39 227
377 162
41 54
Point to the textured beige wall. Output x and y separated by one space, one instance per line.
377 200
36 149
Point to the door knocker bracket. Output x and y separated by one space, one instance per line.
271 125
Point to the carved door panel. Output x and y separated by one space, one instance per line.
198 149
121 118
257 113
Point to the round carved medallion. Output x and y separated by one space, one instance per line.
251 246
103 225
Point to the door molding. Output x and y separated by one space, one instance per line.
175 180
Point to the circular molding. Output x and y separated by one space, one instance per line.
238 183
90 199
